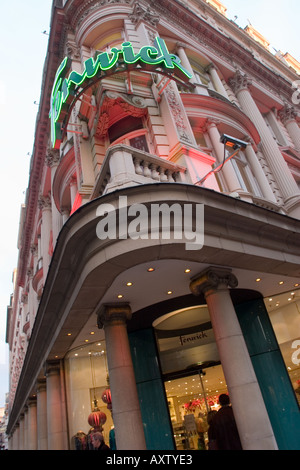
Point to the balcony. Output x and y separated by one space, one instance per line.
126 166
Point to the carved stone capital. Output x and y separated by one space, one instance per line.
210 122
24 298
212 279
32 401
33 249
52 157
142 13
52 368
44 202
41 386
287 113
29 273
113 314
239 82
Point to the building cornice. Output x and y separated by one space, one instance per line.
226 47
41 141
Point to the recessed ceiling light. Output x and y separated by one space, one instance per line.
170 292
150 270
296 285
281 282
69 334
92 333
129 284
258 279
120 296
270 300
187 270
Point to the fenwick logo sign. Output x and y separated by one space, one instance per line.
179 223
67 84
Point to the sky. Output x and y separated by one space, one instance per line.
23 46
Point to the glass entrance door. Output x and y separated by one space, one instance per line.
192 400
193 376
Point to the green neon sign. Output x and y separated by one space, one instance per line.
64 88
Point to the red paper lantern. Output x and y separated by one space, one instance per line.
106 396
96 419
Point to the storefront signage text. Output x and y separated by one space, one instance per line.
185 339
65 86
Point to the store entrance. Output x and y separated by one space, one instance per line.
192 372
192 401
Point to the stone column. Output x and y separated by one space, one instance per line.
249 409
32 424
46 227
288 116
125 403
26 428
227 171
259 174
42 416
21 433
52 161
217 82
55 425
16 438
184 59
275 160
200 89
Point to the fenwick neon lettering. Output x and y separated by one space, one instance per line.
63 88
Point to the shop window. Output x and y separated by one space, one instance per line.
86 378
284 313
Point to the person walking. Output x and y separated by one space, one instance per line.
223 432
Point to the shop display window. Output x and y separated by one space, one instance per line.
284 313
86 378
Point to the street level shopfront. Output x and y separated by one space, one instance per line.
183 377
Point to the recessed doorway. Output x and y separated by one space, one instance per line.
192 372
192 399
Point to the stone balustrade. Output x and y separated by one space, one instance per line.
126 166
